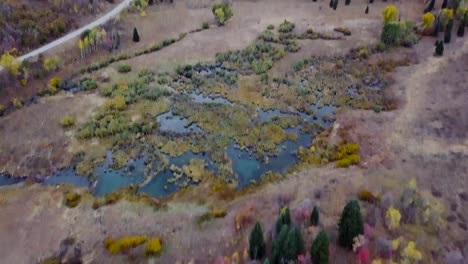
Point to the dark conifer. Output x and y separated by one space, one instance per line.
350 225
367 10
257 246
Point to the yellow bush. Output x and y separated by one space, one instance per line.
390 13
154 247
428 20
23 82
67 121
124 244
117 103
447 15
368 196
411 254
1 108
50 64
219 213
11 64
72 200
393 218
17 103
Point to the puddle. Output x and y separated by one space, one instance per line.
173 123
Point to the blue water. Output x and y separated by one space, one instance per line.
6 180
248 169
110 180
159 186
199 98
173 123
67 176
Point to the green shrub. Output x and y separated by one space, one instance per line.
262 66
222 11
391 34
270 27
286 27
124 68
350 225
205 25
89 84
67 121
292 46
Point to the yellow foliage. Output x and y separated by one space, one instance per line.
390 13
428 20
235 258
17 103
218 213
23 82
411 254
413 184
67 121
124 244
50 64
396 243
11 64
117 103
393 218
153 247
447 15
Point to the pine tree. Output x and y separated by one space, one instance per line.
347 2
367 10
448 31
444 4
351 224
461 29
314 216
436 26
439 50
278 245
294 245
429 7
335 4
331 3
257 246
283 219
320 248
136 37
371 1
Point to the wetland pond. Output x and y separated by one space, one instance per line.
247 167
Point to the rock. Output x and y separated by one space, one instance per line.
103 77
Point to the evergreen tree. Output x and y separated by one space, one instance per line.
350 225
320 248
439 48
283 219
429 7
278 245
371 1
257 246
136 37
436 26
367 10
314 216
294 245
448 31
444 4
335 4
347 2
461 29
331 3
